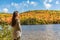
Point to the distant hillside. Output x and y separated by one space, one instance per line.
35 17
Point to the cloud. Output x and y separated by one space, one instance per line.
33 3
28 1
19 5
0 9
50 0
5 10
47 5
15 4
24 4
57 2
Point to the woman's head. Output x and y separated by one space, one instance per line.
15 15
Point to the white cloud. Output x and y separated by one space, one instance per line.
50 0
5 10
0 9
47 5
12 3
19 5
57 2
24 5
15 4
31 3
28 1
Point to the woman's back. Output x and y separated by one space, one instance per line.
16 26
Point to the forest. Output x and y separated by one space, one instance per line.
34 17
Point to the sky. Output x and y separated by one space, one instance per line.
26 5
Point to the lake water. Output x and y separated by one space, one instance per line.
41 32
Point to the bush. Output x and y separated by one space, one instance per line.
5 32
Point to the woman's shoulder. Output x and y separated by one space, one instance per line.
17 20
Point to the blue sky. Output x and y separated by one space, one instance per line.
25 5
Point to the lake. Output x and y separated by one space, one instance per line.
41 32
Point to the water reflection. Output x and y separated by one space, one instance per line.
41 32
33 28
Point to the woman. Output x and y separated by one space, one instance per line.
16 26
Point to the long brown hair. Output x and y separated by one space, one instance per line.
14 18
